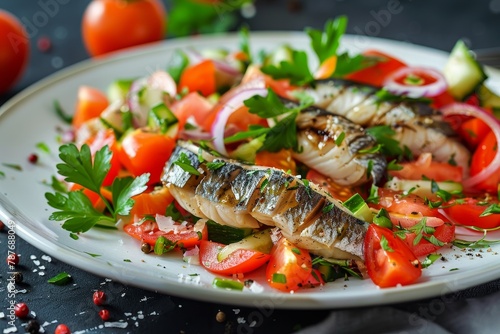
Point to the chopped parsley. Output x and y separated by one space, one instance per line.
296 70
184 163
430 259
384 243
60 279
492 209
383 95
325 43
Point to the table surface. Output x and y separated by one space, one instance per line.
438 25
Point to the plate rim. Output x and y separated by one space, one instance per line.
294 301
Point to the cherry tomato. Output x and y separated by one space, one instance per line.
409 204
192 105
342 193
110 25
424 166
444 233
15 46
376 75
90 103
467 211
238 262
482 158
289 267
388 259
200 78
151 203
146 152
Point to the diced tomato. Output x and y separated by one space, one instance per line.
388 259
473 131
107 138
192 105
152 202
90 103
342 193
482 157
376 75
238 262
409 204
148 232
409 220
444 233
326 69
281 159
314 279
442 99
424 166
137 230
289 267
467 211
200 78
280 86
146 152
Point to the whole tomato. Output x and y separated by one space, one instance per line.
110 25
14 50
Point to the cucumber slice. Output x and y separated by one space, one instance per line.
226 234
357 205
422 188
260 241
118 90
487 98
462 72
161 117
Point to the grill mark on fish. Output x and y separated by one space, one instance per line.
317 132
242 194
359 104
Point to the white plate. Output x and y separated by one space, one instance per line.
29 118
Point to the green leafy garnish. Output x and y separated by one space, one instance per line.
279 278
177 65
74 207
490 210
393 165
325 43
419 229
340 138
430 259
383 219
385 244
13 166
163 245
296 70
184 163
347 64
61 113
383 95
60 279
383 135
215 165
43 147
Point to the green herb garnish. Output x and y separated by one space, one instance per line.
60 279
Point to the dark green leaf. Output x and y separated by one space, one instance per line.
61 113
325 43
347 64
215 165
383 95
177 65
13 166
385 245
490 210
393 165
430 259
60 279
296 71
125 188
383 219
184 163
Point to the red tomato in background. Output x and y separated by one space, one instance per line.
376 75
146 152
467 211
482 157
14 54
89 104
110 25
392 266
289 268
238 262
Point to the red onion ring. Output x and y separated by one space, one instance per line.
196 57
163 81
494 124
231 105
427 90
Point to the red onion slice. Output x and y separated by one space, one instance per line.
231 105
163 81
415 91
493 123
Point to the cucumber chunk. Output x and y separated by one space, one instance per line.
260 241
118 90
357 205
422 188
226 234
462 72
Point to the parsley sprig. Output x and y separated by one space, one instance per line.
325 43
284 133
74 207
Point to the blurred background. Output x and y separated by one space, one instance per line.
54 26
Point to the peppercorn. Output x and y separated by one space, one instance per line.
99 298
12 259
146 248
62 329
18 277
104 314
33 327
220 316
21 310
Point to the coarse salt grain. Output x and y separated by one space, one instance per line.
46 258
116 324
32 257
236 310
10 330
36 262
241 320
2 315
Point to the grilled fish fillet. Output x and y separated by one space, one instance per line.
240 195
416 125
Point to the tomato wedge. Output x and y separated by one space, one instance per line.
376 75
90 103
152 202
389 260
146 152
482 157
444 233
424 166
467 211
200 78
411 204
192 105
107 138
238 262
289 267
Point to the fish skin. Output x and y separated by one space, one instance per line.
317 132
272 198
418 126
